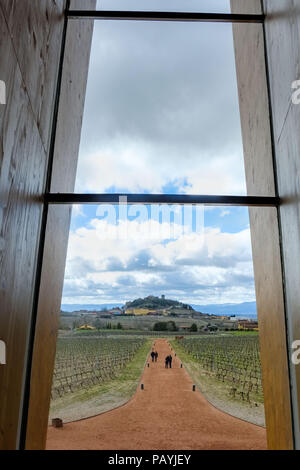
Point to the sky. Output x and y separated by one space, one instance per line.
161 116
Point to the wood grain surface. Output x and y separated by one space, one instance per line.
260 178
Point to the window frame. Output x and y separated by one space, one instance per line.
51 199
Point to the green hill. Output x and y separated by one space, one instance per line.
158 303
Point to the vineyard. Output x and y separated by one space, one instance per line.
232 360
84 362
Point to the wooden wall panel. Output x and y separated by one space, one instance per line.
272 328
52 278
30 43
23 162
283 48
255 121
35 27
74 81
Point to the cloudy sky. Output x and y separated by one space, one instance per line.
161 116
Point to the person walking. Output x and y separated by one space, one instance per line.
170 361
152 355
156 356
167 362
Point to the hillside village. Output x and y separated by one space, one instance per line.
153 313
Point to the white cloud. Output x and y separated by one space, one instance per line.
216 267
137 166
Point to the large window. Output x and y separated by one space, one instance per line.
161 130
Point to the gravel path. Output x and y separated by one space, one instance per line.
166 415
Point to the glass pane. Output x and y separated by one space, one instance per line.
188 284
161 112
204 6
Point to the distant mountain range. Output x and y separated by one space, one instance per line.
87 307
245 309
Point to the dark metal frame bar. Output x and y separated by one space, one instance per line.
73 198
163 16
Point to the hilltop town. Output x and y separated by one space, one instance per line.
152 313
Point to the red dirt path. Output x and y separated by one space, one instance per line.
166 415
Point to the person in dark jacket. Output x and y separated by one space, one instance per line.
170 361
152 355
156 356
167 361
